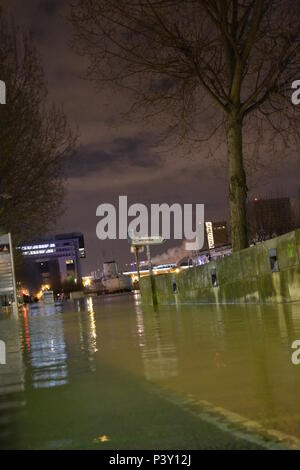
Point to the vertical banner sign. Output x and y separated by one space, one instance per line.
7 272
210 235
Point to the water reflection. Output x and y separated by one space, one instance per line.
235 356
11 379
50 342
88 330
44 344
159 355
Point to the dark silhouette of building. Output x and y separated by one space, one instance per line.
295 203
268 218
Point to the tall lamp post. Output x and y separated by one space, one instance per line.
147 241
137 250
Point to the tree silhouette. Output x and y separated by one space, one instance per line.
35 141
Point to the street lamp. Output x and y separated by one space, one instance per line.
137 242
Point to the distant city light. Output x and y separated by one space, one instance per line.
40 249
45 287
86 281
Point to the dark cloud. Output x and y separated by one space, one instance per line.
125 152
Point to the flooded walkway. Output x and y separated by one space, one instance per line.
107 373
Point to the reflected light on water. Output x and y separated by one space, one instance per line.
87 326
159 358
48 355
92 322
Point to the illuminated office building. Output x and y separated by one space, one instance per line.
53 261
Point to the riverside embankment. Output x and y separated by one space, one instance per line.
267 272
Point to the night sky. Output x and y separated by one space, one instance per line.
119 157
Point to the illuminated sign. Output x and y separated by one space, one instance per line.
210 235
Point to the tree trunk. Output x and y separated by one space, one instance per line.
238 186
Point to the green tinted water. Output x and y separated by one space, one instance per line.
103 373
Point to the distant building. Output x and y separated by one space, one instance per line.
52 261
216 235
268 218
74 236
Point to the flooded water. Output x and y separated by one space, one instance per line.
107 373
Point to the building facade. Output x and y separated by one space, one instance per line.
53 262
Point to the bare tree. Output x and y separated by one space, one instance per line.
232 60
35 141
